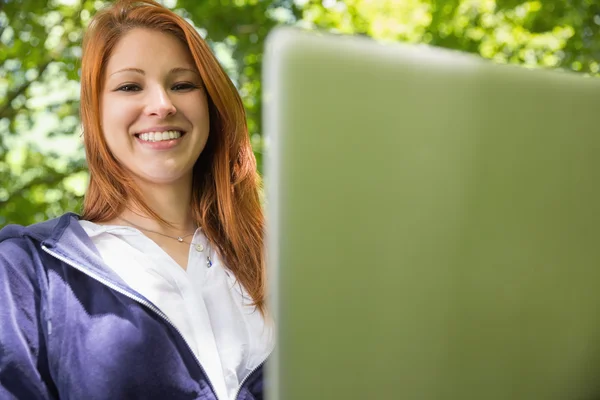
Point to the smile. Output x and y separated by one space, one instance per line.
159 136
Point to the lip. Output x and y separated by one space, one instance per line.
160 145
161 129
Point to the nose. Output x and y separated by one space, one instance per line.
159 103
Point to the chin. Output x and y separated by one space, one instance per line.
161 179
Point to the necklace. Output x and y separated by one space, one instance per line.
197 246
178 238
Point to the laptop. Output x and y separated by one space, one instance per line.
433 224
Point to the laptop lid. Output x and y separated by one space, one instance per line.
434 222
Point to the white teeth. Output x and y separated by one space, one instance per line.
159 136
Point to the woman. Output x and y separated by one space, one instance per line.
157 291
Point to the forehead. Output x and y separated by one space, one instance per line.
145 48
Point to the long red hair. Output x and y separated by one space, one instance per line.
225 189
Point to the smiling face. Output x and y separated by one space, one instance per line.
154 109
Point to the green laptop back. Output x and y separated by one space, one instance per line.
434 224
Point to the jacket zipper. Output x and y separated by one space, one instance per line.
237 393
142 302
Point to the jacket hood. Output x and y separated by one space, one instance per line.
64 238
50 230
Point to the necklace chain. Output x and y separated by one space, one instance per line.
198 246
178 238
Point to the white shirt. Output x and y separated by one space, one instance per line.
206 304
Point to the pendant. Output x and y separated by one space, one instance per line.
179 239
208 262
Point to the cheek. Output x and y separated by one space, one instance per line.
116 117
195 109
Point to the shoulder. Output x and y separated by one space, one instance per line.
40 231
21 246
16 247
18 269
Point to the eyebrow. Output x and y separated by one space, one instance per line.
141 71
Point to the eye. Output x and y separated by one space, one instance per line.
129 87
184 87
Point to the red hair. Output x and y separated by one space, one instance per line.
225 188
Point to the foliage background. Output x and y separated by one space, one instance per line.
42 165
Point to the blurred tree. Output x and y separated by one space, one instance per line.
39 56
42 167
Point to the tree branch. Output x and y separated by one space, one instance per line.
46 179
12 112
20 90
5 110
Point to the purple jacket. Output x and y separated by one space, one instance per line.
70 328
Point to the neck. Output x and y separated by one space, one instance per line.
172 202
